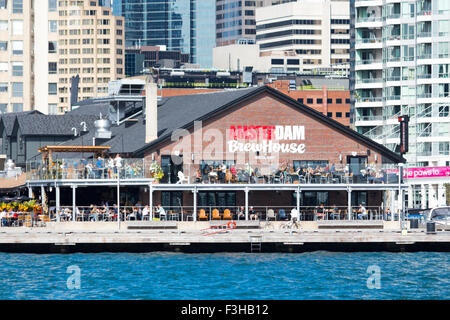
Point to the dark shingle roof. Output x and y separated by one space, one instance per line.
53 125
10 118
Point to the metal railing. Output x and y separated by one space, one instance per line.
213 171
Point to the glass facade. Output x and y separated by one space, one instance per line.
184 25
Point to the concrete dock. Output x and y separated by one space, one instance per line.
245 236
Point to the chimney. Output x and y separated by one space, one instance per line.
151 111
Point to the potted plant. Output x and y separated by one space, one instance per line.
156 171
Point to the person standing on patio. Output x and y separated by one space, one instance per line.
162 212
117 163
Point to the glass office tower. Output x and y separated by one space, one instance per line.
184 25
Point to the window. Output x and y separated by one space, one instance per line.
17 89
17 27
444 111
293 61
338 114
329 100
52 46
3 87
52 67
17 6
3 25
52 89
3 66
278 61
17 69
52 25
338 101
329 114
3 106
309 101
304 164
319 100
347 114
347 101
52 108
444 148
3 45
51 5
17 47
300 100
3 4
17 107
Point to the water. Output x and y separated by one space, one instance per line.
316 275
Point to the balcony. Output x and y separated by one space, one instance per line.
143 172
424 34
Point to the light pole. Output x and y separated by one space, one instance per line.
118 165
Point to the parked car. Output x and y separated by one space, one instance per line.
440 215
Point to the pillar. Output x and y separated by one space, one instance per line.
410 196
442 201
30 192
298 201
194 214
246 203
58 203
432 196
150 201
349 203
423 197
74 205
392 205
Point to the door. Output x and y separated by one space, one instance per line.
355 165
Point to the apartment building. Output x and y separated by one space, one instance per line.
90 45
16 56
235 20
318 31
401 67
43 44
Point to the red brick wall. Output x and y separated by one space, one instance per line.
322 142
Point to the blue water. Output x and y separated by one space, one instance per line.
317 275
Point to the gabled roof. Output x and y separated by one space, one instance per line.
182 111
53 125
9 119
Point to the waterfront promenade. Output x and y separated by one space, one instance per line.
245 236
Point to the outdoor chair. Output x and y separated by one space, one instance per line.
281 214
216 215
227 215
270 215
182 178
202 215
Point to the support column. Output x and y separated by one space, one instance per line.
74 205
30 192
58 203
42 195
423 196
298 201
432 196
392 203
150 201
349 203
246 203
194 213
441 195
410 196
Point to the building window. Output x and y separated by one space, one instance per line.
3 108
3 87
329 114
52 25
17 89
52 89
309 101
17 6
444 148
319 101
52 46
17 69
52 108
17 107
300 100
338 114
338 101
52 67
3 66
347 101
347 114
17 27
3 4
3 45
444 111
17 47
329 100
52 5
278 61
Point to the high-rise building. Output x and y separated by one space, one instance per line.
90 46
43 44
235 20
180 25
16 56
401 67
318 31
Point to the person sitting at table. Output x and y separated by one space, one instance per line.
320 211
146 213
362 212
198 176
4 218
240 213
162 212
253 215
334 213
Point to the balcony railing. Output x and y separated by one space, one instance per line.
424 34
370 80
368 40
370 99
369 118
219 172
368 19
367 61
